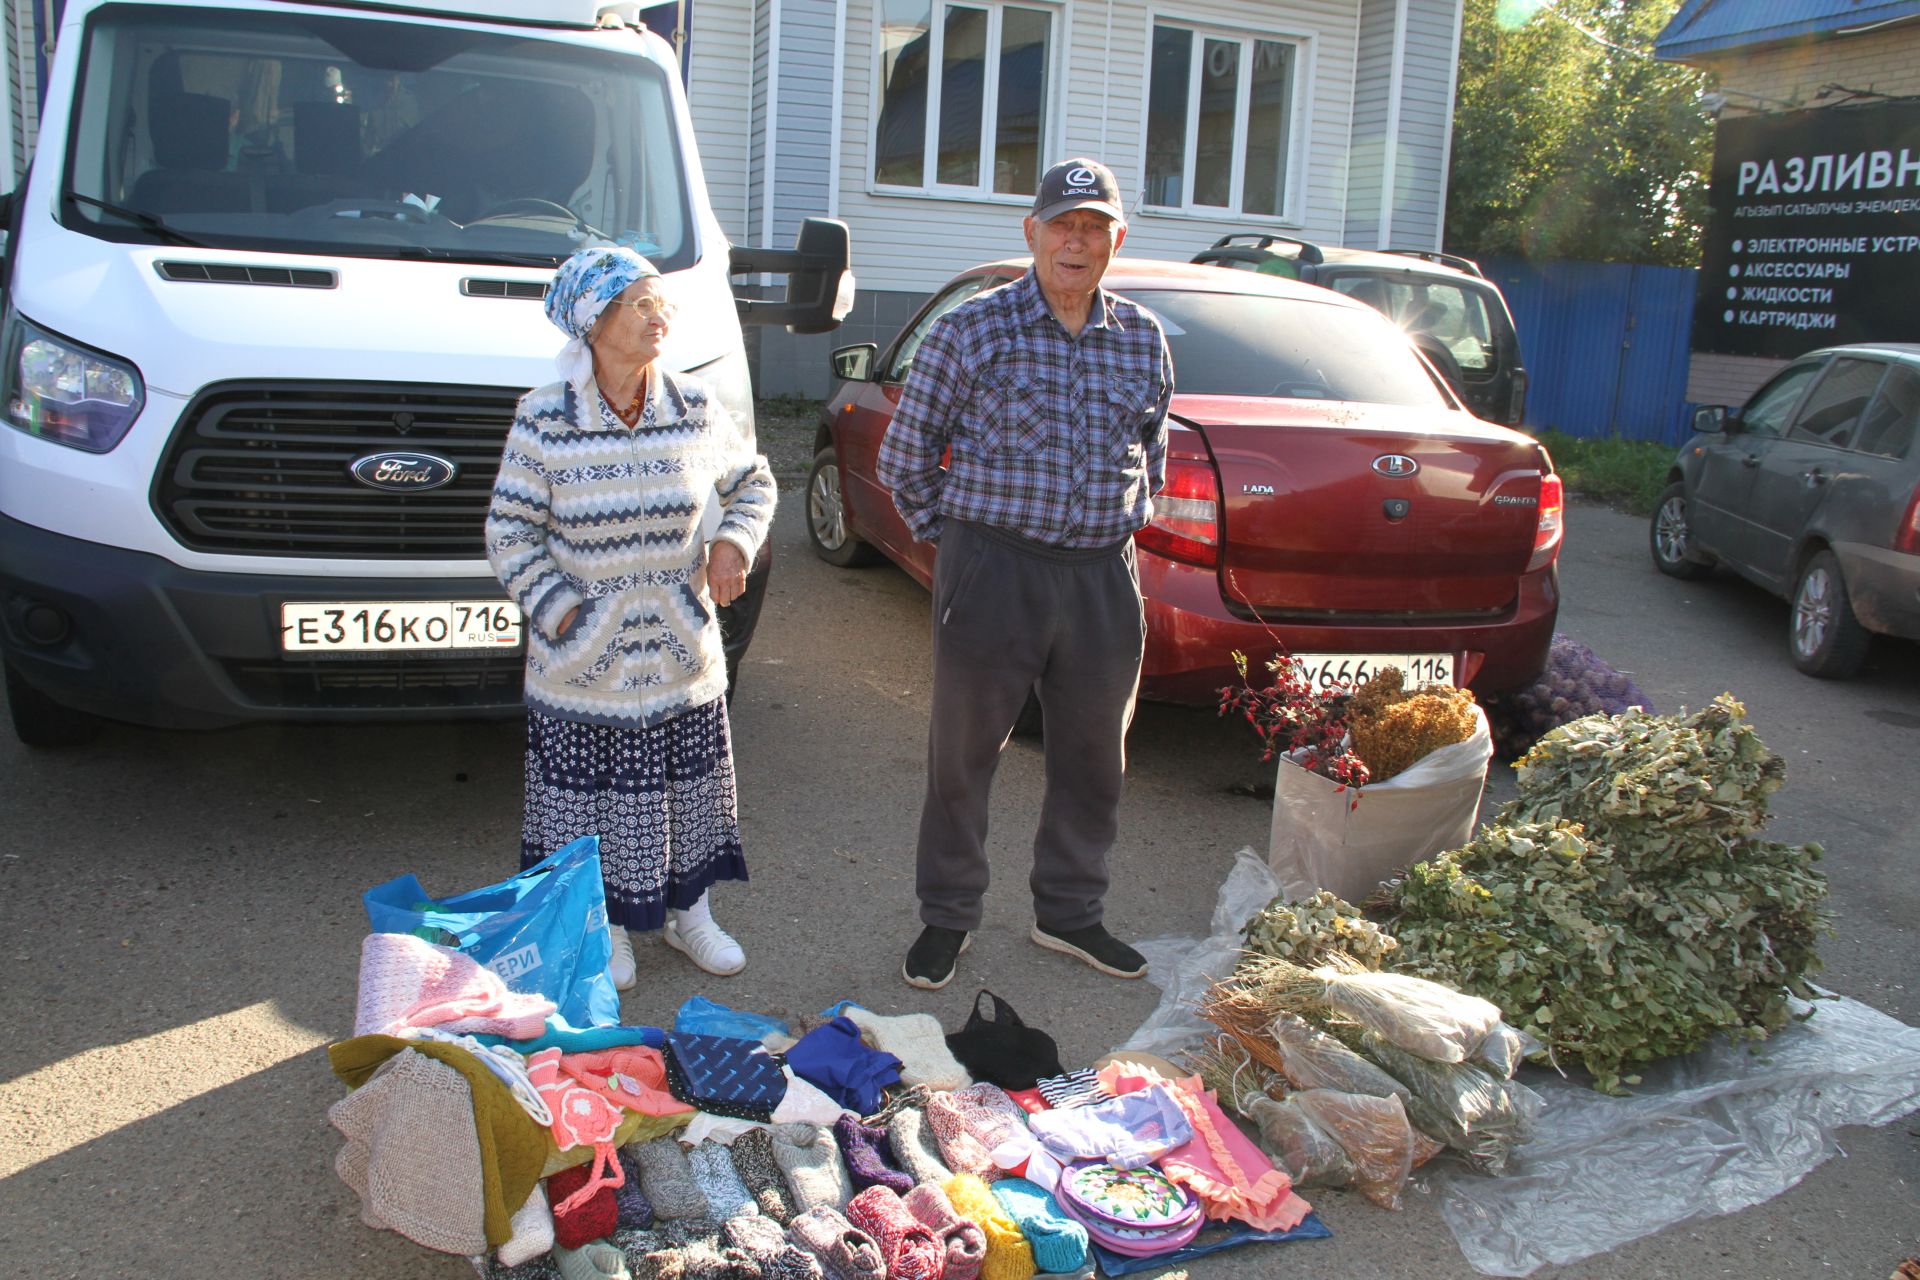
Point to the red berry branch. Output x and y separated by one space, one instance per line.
1294 719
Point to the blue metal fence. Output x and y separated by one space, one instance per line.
1605 345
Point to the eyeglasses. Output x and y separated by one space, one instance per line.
646 308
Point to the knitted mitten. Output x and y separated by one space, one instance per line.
714 1174
911 1141
845 1251
532 1234
917 1040
594 1218
1059 1243
596 1261
964 1241
910 1248
869 1156
810 1159
1009 1256
760 1172
760 1238
667 1179
636 1211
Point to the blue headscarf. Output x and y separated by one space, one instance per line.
581 290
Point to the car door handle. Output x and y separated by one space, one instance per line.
1749 459
1814 478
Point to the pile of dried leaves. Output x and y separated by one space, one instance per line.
1624 908
1308 933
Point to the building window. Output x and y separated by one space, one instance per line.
985 67
1219 122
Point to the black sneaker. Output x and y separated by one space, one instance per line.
1097 947
931 958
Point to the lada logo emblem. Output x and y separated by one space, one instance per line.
1395 464
403 472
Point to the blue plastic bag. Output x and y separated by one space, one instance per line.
543 931
705 1017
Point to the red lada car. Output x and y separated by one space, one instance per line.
1327 496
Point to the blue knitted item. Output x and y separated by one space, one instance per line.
1059 1243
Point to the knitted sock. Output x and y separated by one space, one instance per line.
684 1232
636 1244
540 1268
845 1252
810 1159
910 1248
1009 1256
635 1210
869 1157
596 1261
760 1173
714 1174
1059 1243
667 1179
760 1238
594 1218
911 1140
917 1040
964 1241
532 1234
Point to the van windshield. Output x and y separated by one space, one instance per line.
310 133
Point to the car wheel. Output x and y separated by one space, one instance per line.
827 527
1826 640
39 721
1669 539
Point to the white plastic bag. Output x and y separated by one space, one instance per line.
1322 840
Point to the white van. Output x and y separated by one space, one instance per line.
272 287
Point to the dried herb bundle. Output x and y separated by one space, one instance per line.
1392 727
1308 933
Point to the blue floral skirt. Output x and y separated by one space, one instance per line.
661 799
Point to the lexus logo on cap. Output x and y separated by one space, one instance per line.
1081 177
1395 464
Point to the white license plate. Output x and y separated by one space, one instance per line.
1328 670
363 626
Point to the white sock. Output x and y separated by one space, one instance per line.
700 912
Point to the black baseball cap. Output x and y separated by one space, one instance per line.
1079 183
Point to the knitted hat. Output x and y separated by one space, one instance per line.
845 1252
869 1156
714 1174
636 1211
911 1249
810 1158
532 1236
969 1123
762 1239
917 1040
1009 1256
914 1149
594 1216
595 1261
965 1243
1059 1243
760 1173
667 1179
413 1155
408 982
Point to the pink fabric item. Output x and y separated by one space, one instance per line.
407 982
1231 1176
633 1076
969 1123
911 1249
581 1118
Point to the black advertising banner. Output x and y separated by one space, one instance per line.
1814 235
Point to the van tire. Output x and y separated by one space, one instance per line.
39 721
832 537
1823 636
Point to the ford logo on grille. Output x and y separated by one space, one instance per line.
403 472
1395 464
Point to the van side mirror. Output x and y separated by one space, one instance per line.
855 363
819 285
1709 419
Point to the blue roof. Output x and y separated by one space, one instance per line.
1704 27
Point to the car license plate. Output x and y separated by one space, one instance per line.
363 626
1327 670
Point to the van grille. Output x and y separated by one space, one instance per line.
383 682
263 469
475 287
240 273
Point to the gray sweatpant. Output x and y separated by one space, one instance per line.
1011 615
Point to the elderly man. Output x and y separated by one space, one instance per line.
1052 395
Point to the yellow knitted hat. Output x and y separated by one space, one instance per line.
1009 1256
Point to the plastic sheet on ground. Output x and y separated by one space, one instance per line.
1714 1132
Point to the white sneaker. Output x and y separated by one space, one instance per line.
705 943
621 967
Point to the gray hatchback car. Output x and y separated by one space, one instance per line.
1812 490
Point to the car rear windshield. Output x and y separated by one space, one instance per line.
306 132
1237 344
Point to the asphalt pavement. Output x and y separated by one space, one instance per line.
182 923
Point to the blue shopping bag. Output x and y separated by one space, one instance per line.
543 931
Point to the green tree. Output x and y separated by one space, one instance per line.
1570 140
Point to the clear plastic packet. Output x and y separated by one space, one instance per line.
1474 1112
1375 1134
1425 1018
1302 1147
1504 1049
1312 1059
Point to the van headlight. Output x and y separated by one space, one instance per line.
66 393
731 384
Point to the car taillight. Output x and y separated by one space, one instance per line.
1907 537
1186 515
1546 534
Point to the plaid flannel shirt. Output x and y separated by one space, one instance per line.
1060 439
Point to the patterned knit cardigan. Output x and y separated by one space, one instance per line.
586 512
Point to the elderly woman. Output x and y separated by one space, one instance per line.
595 530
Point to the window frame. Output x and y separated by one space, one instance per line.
1051 106
1299 126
